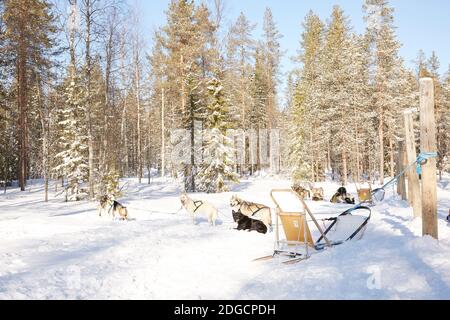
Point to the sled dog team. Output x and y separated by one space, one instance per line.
248 215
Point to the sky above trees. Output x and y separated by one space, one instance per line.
420 24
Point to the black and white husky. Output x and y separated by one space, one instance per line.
245 223
252 210
109 205
199 207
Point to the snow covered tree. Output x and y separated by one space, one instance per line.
335 83
188 41
444 124
304 102
109 184
358 119
240 48
73 140
433 66
258 116
379 17
217 167
272 57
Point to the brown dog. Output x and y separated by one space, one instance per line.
301 191
317 194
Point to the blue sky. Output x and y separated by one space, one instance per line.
421 24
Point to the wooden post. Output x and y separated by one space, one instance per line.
414 195
401 186
163 129
428 144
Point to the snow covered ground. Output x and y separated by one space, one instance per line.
60 250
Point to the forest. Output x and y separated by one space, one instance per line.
85 101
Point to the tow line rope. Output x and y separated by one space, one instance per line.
422 158
420 161
153 211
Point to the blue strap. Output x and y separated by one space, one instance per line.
423 157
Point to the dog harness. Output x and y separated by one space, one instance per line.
250 205
114 205
197 205
259 208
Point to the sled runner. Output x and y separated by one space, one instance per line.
298 242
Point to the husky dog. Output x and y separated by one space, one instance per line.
245 223
103 205
195 207
317 194
252 210
109 204
301 191
341 196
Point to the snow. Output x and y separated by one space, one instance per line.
61 250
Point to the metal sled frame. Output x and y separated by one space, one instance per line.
320 245
297 231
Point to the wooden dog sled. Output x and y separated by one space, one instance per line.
365 194
297 243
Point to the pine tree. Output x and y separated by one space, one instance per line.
73 140
304 102
387 71
445 125
258 117
217 167
421 65
240 48
189 41
335 84
433 70
28 40
358 118
272 56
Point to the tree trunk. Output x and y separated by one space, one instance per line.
414 194
258 149
381 141
44 115
401 185
163 132
328 156
138 106
344 168
22 104
312 158
124 137
358 156
88 17
192 133
392 158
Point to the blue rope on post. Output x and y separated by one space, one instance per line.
422 159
